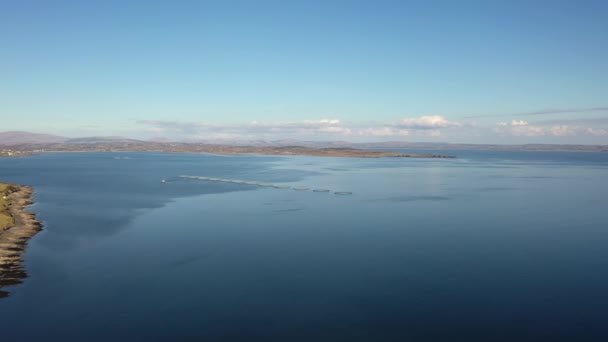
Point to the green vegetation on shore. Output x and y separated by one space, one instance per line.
17 226
6 220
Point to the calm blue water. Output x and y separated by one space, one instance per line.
492 246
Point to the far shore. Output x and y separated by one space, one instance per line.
226 150
17 226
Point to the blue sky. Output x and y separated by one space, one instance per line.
458 71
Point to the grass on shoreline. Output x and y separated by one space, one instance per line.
5 218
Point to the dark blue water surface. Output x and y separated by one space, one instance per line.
491 246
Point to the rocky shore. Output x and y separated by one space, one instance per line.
16 228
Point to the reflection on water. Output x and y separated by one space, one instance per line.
97 195
427 250
12 271
419 198
12 249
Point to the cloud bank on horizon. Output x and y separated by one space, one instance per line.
422 128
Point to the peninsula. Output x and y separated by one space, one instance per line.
17 226
148 146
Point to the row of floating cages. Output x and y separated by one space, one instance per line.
264 184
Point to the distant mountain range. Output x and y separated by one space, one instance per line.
20 140
12 138
18 137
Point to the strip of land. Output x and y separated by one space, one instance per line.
17 226
19 143
138 146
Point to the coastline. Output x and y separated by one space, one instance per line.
262 151
370 154
14 238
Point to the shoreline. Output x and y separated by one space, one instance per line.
310 152
14 238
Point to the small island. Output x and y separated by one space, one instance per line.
17 226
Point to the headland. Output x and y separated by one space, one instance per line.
17 226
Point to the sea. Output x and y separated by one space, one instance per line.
489 246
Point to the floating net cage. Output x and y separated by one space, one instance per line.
264 184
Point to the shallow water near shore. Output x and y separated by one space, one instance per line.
491 246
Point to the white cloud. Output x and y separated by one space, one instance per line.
335 129
329 121
519 123
519 128
383 132
322 126
596 131
562 131
426 122
298 124
513 123
546 112
168 126
425 128
198 130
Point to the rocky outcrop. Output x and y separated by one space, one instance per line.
14 237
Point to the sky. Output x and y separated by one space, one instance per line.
448 71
